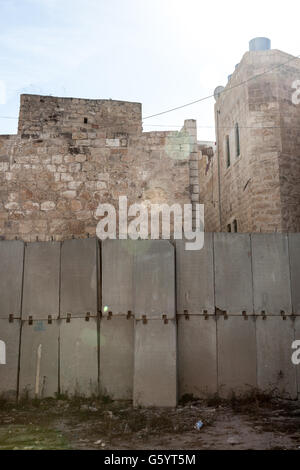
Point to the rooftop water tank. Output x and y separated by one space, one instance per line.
260 44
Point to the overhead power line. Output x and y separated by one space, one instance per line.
8 117
205 97
225 90
225 127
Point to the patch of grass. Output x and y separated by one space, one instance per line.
30 437
106 399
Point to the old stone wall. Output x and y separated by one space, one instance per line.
71 154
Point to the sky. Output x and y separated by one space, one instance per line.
162 53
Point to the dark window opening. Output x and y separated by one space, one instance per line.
235 227
228 228
237 140
85 120
227 151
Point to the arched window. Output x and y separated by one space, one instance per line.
2 353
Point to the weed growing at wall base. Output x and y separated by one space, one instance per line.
152 221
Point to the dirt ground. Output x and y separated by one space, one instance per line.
249 423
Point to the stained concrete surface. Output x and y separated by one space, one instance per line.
117 357
195 278
297 337
236 355
197 356
154 279
155 364
117 276
275 370
294 256
39 359
10 336
11 277
41 280
79 277
79 357
233 273
271 273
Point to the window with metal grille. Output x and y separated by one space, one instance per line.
237 140
227 151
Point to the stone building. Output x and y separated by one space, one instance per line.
252 182
71 154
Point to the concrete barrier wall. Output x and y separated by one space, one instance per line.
117 276
11 278
195 278
79 278
271 273
41 281
155 363
236 350
10 337
117 357
39 359
275 370
75 322
79 357
254 287
233 274
197 356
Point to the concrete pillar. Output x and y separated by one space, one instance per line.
155 363
155 348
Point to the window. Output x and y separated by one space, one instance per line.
234 226
85 120
237 140
228 228
227 151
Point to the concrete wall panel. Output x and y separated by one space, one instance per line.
154 279
233 275
41 280
79 277
39 359
195 278
275 371
117 357
297 337
155 364
79 357
197 356
271 274
117 276
9 357
11 278
294 255
236 355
